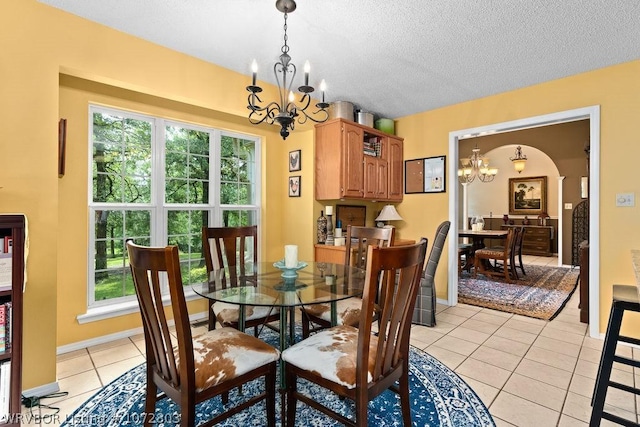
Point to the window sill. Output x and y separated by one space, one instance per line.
115 310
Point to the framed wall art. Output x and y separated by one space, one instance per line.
426 175
528 196
294 186
295 160
62 146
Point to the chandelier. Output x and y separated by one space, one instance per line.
476 165
287 109
519 160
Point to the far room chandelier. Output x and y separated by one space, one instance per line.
287 110
519 160
476 165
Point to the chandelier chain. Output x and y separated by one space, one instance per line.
285 47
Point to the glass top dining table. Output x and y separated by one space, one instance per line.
263 284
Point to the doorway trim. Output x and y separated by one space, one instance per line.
592 113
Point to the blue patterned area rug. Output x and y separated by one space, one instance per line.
438 398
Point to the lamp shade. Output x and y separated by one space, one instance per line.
389 213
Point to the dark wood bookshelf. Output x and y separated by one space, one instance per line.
14 226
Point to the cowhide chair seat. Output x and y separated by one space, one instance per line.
332 353
226 353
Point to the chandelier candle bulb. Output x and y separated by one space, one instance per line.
254 71
307 68
290 256
323 87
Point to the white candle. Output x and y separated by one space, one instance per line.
338 232
290 256
328 210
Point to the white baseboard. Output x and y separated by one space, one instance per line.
116 336
42 390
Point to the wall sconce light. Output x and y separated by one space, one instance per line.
519 160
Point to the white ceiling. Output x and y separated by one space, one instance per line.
392 58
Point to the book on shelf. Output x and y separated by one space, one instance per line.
7 329
5 389
6 277
8 244
3 327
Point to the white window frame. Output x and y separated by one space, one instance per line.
159 209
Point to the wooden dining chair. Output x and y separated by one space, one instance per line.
318 316
483 257
358 363
515 260
191 369
231 248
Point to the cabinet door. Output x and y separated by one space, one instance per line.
353 166
395 155
382 180
370 177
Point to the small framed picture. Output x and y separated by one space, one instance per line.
294 186
295 160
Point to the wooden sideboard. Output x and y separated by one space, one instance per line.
537 239
336 254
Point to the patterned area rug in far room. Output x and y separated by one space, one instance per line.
542 293
439 397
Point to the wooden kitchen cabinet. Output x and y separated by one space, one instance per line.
354 161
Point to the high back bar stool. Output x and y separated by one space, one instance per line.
625 298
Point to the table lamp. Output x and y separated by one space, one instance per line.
388 213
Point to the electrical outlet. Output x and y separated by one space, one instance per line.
568 205
625 199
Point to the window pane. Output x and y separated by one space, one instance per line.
121 159
239 218
186 166
111 262
236 163
184 229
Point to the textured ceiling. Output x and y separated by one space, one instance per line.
390 58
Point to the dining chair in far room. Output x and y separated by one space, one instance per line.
360 363
231 248
516 251
191 369
483 257
425 311
358 241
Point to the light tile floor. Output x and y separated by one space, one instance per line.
528 372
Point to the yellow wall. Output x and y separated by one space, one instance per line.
43 47
617 90
40 43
